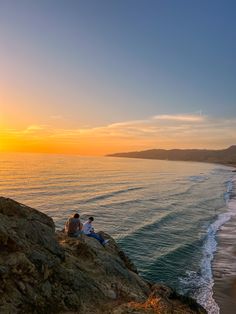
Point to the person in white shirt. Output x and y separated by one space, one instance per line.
89 231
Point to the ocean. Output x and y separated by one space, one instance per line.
164 214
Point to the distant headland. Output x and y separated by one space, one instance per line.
224 156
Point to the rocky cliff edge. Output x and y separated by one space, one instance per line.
46 272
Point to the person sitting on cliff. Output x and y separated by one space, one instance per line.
89 231
74 226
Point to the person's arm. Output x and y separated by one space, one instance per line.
80 226
66 226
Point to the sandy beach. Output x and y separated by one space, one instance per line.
224 269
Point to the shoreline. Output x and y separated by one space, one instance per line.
223 270
231 165
224 274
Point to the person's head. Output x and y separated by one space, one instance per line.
76 215
91 219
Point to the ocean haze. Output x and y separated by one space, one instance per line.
164 214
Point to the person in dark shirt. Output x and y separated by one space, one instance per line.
73 226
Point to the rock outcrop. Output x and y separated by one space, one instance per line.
46 272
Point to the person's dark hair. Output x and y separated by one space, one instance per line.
76 215
91 218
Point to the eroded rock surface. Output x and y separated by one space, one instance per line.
46 272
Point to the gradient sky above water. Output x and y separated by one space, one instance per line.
95 77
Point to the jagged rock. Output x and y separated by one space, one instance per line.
46 272
162 300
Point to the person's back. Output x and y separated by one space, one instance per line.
73 225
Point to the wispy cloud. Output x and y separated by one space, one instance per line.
161 131
128 123
34 127
181 118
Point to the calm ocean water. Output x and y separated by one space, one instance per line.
164 214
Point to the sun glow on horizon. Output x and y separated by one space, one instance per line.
163 131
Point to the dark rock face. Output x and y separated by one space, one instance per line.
44 272
28 251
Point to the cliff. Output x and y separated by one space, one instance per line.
224 156
46 272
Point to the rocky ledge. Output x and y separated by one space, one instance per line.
46 272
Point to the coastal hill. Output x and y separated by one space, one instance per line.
43 271
224 156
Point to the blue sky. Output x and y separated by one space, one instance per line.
93 63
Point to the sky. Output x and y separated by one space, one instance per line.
101 76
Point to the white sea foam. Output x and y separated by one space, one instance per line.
201 283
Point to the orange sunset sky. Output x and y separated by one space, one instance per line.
95 79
